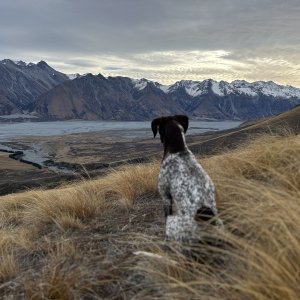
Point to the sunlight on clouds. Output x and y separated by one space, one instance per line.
275 68
168 67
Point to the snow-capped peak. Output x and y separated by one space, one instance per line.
192 88
217 88
16 62
268 88
73 76
223 88
19 63
139 84
243 87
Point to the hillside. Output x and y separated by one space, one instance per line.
230 139
21 84
98 98
104 238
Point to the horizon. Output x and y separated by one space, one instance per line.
163 41
143 78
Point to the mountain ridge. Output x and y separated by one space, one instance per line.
52 95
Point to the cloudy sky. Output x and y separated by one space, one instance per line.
161 40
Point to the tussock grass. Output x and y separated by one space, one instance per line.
8 266
130 182
257 256
81 201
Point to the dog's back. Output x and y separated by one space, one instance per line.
190 186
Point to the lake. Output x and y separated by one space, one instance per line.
9 131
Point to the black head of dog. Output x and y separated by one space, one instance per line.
169 128
161 123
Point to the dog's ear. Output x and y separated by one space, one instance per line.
154 125
183 120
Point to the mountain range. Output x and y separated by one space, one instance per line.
46 94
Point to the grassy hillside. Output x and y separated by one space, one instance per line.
92 239
229 139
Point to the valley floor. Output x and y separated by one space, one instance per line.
7 163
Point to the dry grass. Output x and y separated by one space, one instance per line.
8 267
129 182
259 258
256 257
7 163
80 201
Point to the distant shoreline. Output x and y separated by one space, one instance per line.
142 128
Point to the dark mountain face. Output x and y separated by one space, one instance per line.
237 107
96 97
21 84
7 107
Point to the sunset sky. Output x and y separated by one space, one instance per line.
161 40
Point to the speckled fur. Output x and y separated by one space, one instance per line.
183 180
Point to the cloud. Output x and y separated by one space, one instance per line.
109 68
160 40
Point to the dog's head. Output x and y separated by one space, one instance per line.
160 123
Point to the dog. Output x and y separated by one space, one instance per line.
183 181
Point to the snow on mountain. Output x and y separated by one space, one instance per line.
19 63
73 76
22 63
217 88
193 88
279 91
221 88
164 88
139 84
268 88
225 88
241 87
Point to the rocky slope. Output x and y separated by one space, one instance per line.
21 84
96 97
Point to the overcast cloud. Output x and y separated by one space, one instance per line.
161 40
